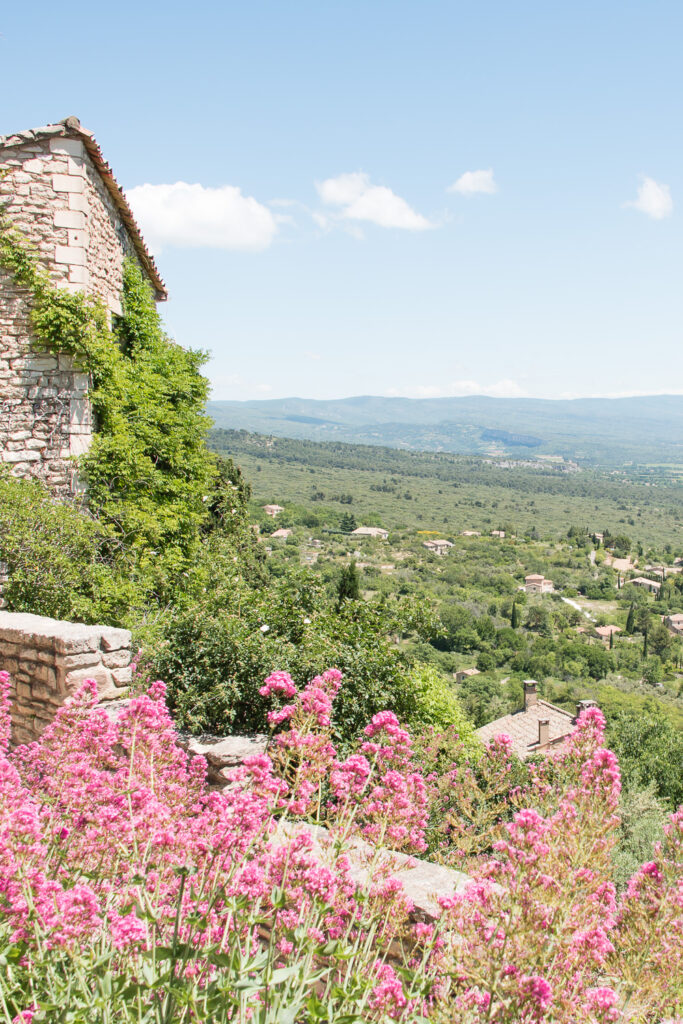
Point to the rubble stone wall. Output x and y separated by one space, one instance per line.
51 190
48 661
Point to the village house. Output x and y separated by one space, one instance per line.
272 510
535 583
465 673
537 728
606 632
281 534
642 581
498 533
674 623
370 531
471 533
59 192
439 547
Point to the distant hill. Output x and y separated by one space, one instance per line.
590 430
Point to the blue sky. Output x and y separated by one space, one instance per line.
320 252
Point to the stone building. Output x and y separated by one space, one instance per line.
536 728
58 190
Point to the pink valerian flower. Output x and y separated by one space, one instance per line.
535 995
25 1016
601 1006
282 715
278 682
127 930
387 995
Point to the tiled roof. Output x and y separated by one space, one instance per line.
71 128
522 727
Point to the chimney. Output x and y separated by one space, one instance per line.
583 704
543 732
530 695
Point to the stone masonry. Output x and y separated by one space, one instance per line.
58 190
49 660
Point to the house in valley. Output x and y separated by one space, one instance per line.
535 583
272 510
641 581
538 727
465 673
438 547
674 623
371 531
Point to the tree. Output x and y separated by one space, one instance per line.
348 587
631 619
515 617
347 523
659 639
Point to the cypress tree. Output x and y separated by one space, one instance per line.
631 619
348 587
515 616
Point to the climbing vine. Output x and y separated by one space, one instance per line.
150 479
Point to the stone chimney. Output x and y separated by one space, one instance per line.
583 704
530 695
543 732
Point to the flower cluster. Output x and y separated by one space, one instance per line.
124 880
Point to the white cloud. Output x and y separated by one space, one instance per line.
505 388
359 199
472 182
194 216
653 199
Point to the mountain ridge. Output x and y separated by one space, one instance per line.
602 430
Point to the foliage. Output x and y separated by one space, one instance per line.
152 485
60 560
348 586
132 894
213 650
435 704
649 749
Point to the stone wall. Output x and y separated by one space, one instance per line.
48 661
51 189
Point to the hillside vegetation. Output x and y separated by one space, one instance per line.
597 431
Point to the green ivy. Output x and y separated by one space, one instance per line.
151 482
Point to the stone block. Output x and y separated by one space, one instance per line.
76 166
101 675
69 661
72 254
70 147
79 275
33 166
224 751
69 219
116 659
114 639
122 676
80 443
78 201
46 675
67 183
19 457
78 237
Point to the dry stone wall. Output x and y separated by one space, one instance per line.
52 191
48 661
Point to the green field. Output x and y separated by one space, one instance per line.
451 493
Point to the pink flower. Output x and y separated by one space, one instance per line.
278 682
